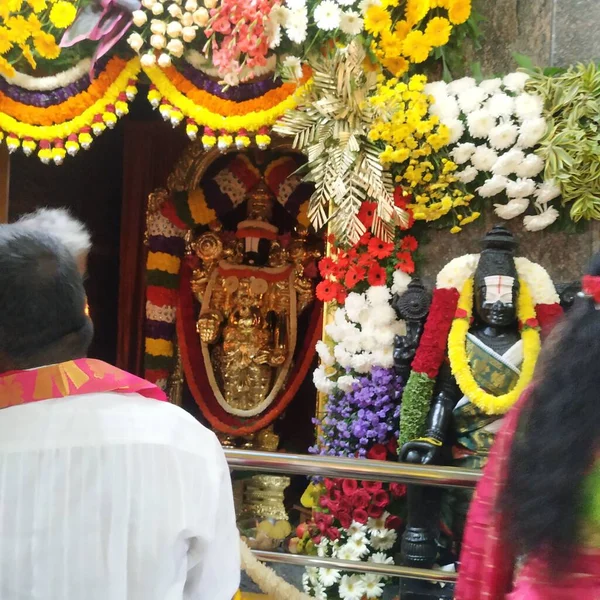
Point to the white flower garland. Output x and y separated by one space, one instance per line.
266 579
53 82
495 128
362 337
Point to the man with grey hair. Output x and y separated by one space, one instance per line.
108 492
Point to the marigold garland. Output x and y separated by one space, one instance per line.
459 362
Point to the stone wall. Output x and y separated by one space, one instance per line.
551 32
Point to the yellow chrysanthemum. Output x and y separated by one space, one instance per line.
397 66
416 10
46 45
37 6
459 11
438 31
377 20
6 68
28 56
35 24
19 29
14 5
62 14
402 29
5 41
416 47
390 44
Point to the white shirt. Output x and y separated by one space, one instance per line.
113 497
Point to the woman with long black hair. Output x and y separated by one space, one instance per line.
533 531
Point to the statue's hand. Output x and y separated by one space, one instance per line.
420 452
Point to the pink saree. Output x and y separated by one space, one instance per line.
488 566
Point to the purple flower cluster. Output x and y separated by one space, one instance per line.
356 420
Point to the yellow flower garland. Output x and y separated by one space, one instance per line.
253 121
459 362
85 119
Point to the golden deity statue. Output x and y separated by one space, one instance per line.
252 289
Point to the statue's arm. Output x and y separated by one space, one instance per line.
445 398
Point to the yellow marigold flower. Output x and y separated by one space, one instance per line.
28 56
416 47
35 24
19 30
438 31
6 68
377 20
459 11
37 6
416 10
14 5
46 45
397 65
62 14
472 217
456 229
402 29
5 41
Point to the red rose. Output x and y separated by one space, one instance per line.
366 213
349 486
323 521
335 495
345 519
381 498
409 243
333 506
393 522
331 484
377 452
375 511
397 489
353 276
372 486
317 539
360 515
327 291
324 501
392 446
377 275
333 533
345 505
361 499
380 249
326 266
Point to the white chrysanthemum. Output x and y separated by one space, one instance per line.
484 158
491 85
378 295
456 127
445 107
329 577
530 166
521 188
528 106
342 356
351 23
538 281
381 558
348 552
504 136
461 85
457 271
480 123
384 540
512 209
508 162
547 191
384 336
368 341
436 88
324 354
339 317
383 316
335 332
322 382
297 25
462 153
493 186
327 15
400 281
376 526
541 221
351 587
467 175
355 303
515 82
362 363
352 342
384 357
471 99
532 131
373 585
500 105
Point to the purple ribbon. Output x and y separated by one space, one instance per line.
105 21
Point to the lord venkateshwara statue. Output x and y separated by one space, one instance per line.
459 429
252 289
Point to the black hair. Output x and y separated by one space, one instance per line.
557 440
42 301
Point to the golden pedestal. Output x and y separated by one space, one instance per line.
264 497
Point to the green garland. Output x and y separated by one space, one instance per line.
415 406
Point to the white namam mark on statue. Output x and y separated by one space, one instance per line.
499 288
